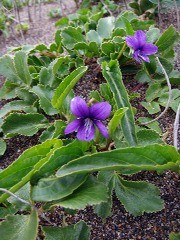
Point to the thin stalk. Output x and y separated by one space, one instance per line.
29 11
169 92
177 14
109 11
122 50
39 9
125 4
159 14
19 20
175 129
15 196
47 219
35 7
61 8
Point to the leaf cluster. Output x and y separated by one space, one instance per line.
60 171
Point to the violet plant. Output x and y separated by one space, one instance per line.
141 49
88 118
59 171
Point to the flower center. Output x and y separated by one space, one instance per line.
88 126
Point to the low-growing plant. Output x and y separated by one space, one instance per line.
22 27
5 21
55 13
86 148
149 8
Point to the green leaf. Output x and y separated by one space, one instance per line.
7 69
45 94
20 62
9 209
153 91
142 76
91 192
66 85
45 76
23 227
154 125
23 193
138 197
153 34
167 39
2 147
8 90
123 23
174 236
104 209
112 74
175 99
127 26
152 107
79 231
105 27
115 120
174 77
108 47
71 36
151 157
60 157
24 124
53 188
17 105
20 171
93 36
147 137
47 134
25 95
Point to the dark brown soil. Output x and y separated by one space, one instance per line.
121 225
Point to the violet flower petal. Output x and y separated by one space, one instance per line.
73 126
87 131
103 130
144 58
149 49
100 111
141 37
79 107
139 56
132 42
136 56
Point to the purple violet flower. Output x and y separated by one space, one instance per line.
141 48
88 118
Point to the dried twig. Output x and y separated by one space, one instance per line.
125 4
39 9
61 8
28 203
29 11
159 14
176 127
19 20
177 14
170 94
35 7
109 11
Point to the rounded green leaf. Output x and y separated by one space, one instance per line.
24 124
2 147
20 227
138 197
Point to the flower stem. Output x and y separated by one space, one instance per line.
122 50
170 94
175 130
20 199
108 10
